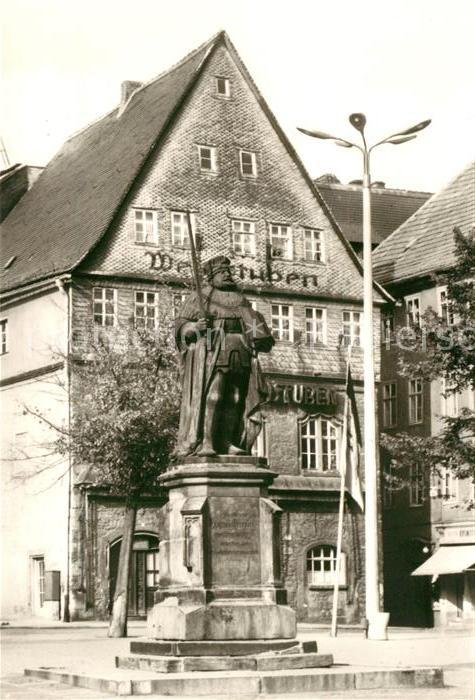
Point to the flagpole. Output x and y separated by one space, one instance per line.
341 509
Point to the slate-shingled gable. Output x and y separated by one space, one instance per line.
61 220
71 206
424 243
389 208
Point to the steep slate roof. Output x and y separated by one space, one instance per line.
424 243
66 212
389 208
64 216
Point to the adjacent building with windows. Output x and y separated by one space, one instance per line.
428 534
100 243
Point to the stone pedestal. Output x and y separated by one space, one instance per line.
219 555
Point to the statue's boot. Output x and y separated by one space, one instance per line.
233 450
206 450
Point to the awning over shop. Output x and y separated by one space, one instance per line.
448 560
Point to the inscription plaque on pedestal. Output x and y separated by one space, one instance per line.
235 541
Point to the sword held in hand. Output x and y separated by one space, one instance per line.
195 269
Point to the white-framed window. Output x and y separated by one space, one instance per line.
318 444
38 582
313 245
351 328
449 485
413 311
315 325
152 568
444 307
207 159
388 490
416 485
416 401
247 163
145 226
179 225
146 310
243 237
104 306
281 241
282 322
389 404
321 566
3 336
259 448
449 399
223 86
387 327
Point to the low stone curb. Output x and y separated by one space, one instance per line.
251 683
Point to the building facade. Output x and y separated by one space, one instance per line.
428 526
103 247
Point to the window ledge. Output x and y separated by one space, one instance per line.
155 244
319 472
319 263
327 587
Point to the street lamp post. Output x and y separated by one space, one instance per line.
358 121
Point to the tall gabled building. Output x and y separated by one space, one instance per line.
427 517
101 240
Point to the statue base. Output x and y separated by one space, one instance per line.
219 555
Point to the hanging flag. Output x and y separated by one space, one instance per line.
350 453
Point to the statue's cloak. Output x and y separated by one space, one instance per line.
199 360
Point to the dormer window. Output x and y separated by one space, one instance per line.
207 158
145 223
248 163
223 87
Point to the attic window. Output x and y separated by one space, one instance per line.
145 224
207 158
223 87
9 262
248 163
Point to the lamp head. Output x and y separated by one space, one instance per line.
358 121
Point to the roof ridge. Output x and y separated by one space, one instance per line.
397 190
384 244
178 64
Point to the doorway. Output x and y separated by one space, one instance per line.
144 572
37 584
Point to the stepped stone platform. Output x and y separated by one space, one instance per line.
265 655
124 682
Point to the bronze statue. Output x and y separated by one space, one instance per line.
219 336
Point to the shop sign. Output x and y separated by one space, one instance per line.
163 262
302 394
463 534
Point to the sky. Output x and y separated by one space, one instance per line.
315 63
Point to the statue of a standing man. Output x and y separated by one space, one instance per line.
223 387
